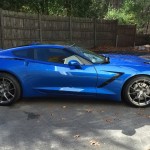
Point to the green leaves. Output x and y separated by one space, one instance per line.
127 12
121 15
132 12
98 8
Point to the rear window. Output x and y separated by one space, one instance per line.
25 53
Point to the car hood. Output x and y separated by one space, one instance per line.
120 59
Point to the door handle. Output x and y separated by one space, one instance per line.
26 63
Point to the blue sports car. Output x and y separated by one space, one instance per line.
39 70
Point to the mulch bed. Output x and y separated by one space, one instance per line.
120 50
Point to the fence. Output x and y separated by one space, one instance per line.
21 28
126 35
142 39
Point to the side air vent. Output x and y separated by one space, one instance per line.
147 62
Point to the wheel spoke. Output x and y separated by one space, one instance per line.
8 84
10 94
132 88
6 97
135 98
134 92
147 96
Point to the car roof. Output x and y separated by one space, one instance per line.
9 50
35 46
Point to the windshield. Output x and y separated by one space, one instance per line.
93 57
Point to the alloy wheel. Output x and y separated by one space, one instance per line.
139 92
7 90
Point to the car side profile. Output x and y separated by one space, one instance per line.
44 70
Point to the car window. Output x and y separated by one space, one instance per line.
93 57
24 53
77 58
51 54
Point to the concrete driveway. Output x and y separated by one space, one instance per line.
73 124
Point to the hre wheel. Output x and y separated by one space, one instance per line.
137 91
10 90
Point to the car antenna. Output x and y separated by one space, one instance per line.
72 44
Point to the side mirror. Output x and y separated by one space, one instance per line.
74 63
107 60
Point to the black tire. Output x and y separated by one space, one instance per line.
137 91
10 90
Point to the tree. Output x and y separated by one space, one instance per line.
37 6
141 9
99 8
77 8
132 12
14 5
121 15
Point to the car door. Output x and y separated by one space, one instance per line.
49 75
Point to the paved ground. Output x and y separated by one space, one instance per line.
79 124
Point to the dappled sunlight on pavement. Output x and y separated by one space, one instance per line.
74 124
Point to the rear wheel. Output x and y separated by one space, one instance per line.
10 90
137 91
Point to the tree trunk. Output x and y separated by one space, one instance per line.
68 6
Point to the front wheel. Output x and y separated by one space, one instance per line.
137 91
10 90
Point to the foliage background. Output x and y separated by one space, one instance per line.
125 11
